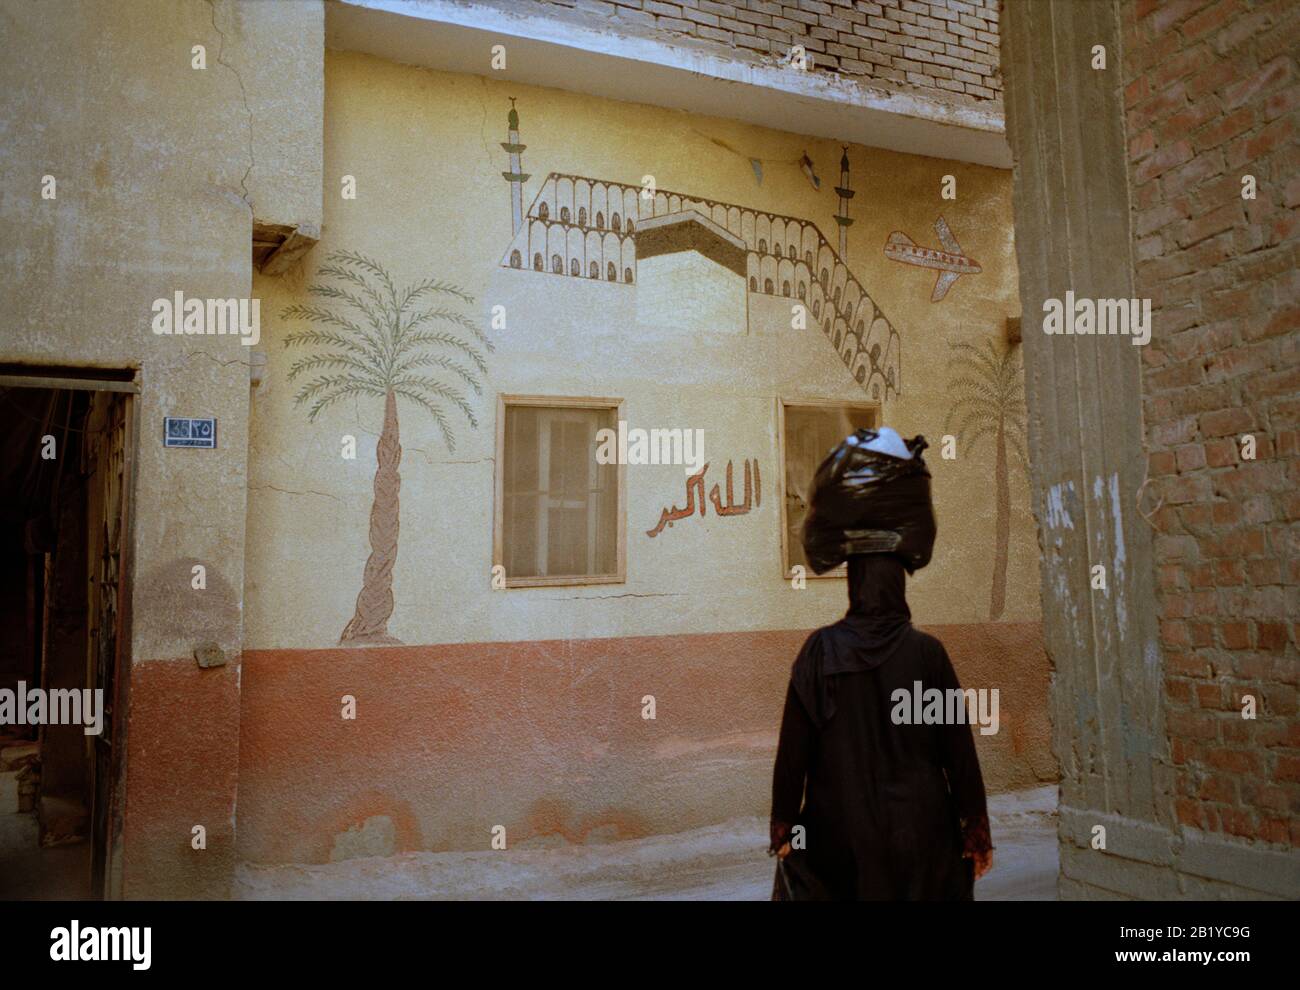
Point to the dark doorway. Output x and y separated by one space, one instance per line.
66 464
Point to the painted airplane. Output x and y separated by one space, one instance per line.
950 261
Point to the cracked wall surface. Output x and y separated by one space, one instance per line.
277 52
154 182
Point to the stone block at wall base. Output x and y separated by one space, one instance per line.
1145 861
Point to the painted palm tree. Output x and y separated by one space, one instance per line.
370 340
988 389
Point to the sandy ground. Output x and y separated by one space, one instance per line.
723 862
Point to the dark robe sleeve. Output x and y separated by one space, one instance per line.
792 754
962 766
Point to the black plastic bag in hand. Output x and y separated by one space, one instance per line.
796 881
864 501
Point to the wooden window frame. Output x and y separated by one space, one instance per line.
782 404
498 511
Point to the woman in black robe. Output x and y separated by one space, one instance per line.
889 812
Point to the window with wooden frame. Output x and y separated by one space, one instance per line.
808 430
559 515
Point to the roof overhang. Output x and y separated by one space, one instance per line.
565 51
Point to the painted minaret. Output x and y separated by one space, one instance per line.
842 218
516 176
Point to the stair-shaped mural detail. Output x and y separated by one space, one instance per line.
582 227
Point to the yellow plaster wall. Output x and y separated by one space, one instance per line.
278 50
148 202
424 148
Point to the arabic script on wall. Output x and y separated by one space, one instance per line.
753 497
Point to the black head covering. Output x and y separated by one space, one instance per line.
866 501
875 626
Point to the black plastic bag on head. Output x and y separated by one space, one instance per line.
864 501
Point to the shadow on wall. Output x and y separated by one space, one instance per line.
194 599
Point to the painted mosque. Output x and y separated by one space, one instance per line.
594 229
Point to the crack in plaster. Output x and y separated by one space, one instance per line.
289 491
248 110
218 360
594 598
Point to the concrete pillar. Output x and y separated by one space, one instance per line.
1072 198
1065 126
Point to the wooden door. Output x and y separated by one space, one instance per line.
109 635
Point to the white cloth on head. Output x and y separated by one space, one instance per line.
889 442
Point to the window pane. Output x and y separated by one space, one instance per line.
812 432
566 538
559 505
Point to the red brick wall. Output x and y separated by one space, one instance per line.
1213 94
946 47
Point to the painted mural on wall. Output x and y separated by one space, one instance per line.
695 498
585 227
951 262
370 339
987 386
